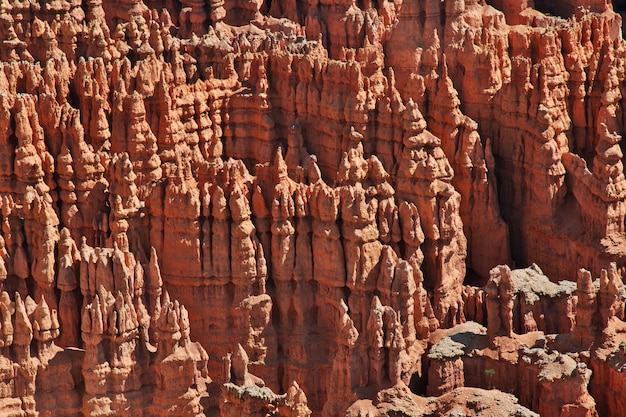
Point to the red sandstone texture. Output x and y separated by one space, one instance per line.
289 208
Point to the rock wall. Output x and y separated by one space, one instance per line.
133 362
314 182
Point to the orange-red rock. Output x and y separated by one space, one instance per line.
287 208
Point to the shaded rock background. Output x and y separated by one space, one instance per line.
316 195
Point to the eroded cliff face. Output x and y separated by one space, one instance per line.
303 190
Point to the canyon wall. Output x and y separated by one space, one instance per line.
302 190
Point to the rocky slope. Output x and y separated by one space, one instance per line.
322 196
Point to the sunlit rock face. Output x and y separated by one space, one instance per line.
299 208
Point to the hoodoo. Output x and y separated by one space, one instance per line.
328 208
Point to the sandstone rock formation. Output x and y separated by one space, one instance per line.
311 208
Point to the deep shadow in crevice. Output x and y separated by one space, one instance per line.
265 7
555 8
619 6
418 382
